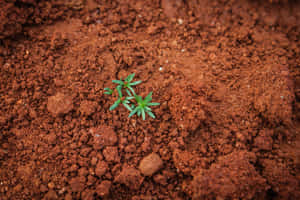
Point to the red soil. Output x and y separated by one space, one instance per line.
226 74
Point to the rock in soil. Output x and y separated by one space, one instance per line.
150 164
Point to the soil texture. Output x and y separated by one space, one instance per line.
226 75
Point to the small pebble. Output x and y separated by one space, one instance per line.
150 164
180 21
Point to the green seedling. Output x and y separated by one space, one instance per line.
143 106
127 84
122 100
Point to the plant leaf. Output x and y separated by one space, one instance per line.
129 98
151 114
138 98
119 89
132 90
118 82
148 98
108 91
147 109
128 92
143 114
153 104
129 77
135 83
115 104
127 106
133 112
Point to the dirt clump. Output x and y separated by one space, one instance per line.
130 177
77 184
88 107
19 14
185 161
231 176
60 104
187 110
103 188
264 140
101 168
111 154
103 136
282 182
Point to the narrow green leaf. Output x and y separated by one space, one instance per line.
151 114
147 108
108 91
135 83
128 92
143 114
148 97
129 98
133 112
118 82
129 77
153 104
127 106
139 113
138 98
131 89
115 104
119 89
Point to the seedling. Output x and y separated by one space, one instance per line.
126 84
143 106
124 100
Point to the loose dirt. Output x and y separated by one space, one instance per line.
226 74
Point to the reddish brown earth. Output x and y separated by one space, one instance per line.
226 74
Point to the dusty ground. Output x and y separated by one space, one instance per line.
227 75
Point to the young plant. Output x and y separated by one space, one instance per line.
121 100
143 106
127 84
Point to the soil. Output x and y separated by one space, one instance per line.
226 74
